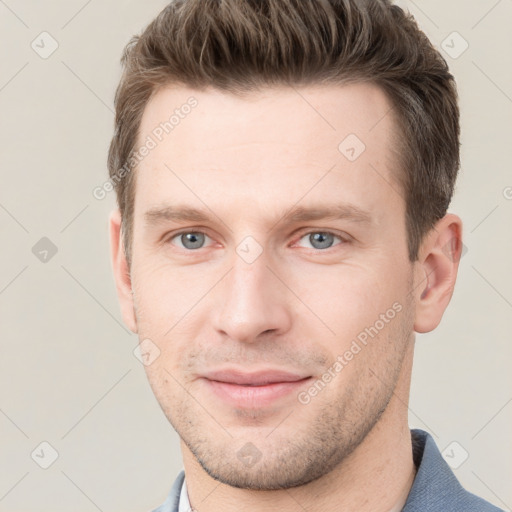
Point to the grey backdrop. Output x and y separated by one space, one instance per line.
69 378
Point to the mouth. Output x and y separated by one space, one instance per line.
253 390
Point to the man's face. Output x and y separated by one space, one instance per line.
252 306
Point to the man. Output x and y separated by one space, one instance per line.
283 170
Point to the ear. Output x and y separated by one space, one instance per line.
436 272
121 271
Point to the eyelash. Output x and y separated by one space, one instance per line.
343 239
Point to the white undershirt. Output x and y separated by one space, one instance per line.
184 501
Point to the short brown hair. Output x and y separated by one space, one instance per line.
241 46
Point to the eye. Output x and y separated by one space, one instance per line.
190 240
321 239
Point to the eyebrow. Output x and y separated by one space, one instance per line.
334 212
297 214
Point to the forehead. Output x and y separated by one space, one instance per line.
255 147
321 110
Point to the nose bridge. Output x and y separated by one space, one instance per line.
249 279
251 300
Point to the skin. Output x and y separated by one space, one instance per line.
248 161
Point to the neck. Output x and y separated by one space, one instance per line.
376 477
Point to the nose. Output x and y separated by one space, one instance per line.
251 302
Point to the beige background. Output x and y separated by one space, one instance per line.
68 375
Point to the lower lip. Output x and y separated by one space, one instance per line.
254 396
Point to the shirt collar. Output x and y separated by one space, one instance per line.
435 486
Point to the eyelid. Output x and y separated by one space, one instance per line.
344 237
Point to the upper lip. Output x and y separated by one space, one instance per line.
258 378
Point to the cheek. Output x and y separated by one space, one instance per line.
166 294
346 298
170 308
164 387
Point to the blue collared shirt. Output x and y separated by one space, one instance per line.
435 487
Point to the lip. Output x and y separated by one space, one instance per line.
257 378
254 389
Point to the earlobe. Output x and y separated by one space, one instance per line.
121 272
437 268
